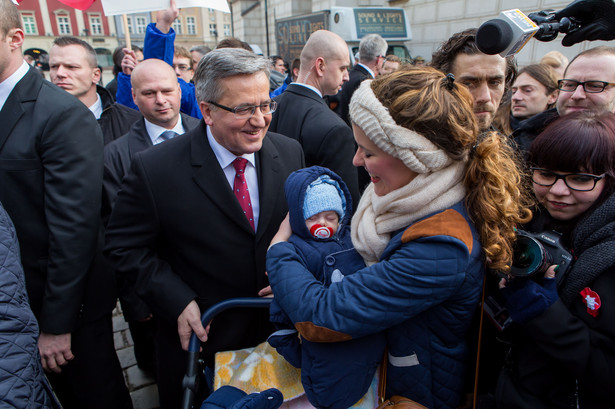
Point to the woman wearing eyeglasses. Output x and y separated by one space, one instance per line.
563 353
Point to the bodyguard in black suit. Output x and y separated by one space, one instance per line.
178 229
303 115
74 68
155 88
372 49
50 184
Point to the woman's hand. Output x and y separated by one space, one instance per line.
526 299
283 233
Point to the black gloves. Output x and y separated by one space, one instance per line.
596 17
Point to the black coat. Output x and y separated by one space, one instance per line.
326 140
118 156
51 166
529 129
116 119
355 77
178 231
567 346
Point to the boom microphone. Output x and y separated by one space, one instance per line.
511 30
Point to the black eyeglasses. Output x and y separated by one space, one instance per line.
592 87
581 182
246 111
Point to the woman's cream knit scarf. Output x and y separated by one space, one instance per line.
438 186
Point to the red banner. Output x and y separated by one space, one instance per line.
77 4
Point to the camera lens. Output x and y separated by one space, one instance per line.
529 257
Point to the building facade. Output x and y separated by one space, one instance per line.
253 21
44 20
432 21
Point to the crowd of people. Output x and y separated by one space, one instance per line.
380 205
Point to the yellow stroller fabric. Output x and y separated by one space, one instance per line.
261 367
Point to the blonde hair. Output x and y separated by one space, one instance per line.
432 104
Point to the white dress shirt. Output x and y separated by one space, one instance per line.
309 87
6 86
97 108
225 159
154 131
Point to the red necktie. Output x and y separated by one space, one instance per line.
240 187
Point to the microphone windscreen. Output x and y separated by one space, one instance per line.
494 36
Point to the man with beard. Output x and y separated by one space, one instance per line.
486 76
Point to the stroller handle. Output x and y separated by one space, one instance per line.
190 382
211 312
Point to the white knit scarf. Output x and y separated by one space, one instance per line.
438 185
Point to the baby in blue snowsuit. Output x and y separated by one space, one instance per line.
334 375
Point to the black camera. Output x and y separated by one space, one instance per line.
534 253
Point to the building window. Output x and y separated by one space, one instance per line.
141 24
212 30
177 26
96 25
191 25
227 30
104 57
129 21
63 24
29 23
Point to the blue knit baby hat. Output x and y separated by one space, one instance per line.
322 195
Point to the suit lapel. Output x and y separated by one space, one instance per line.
26 90
270 183
141 139
210 178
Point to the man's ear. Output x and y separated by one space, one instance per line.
206 111
96 74
320 66
553 97
16 38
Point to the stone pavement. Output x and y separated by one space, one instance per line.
141 385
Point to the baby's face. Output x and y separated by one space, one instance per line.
327 218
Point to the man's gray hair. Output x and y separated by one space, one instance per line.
372 46
224 63
201 49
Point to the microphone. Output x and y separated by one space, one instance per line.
511 30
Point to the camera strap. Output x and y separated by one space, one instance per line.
480 338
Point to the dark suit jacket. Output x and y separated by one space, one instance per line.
118 156
51 152
357 75
326 140
179 232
